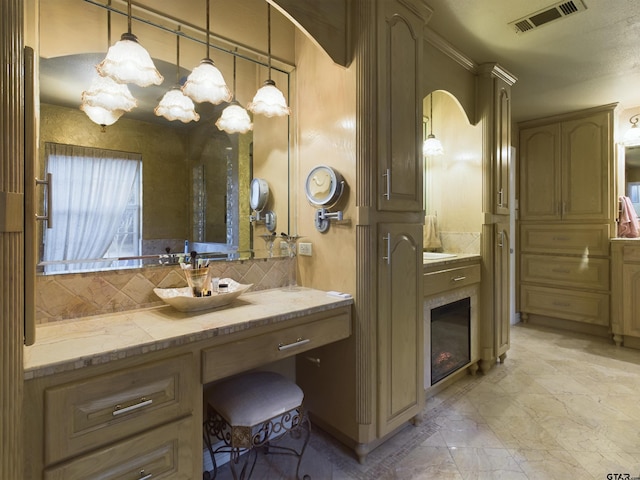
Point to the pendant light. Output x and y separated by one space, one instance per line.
128 62
175 105
234 118
632 136
205 83
431 146
105 101
269 101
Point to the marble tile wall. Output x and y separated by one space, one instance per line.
62 297
460 242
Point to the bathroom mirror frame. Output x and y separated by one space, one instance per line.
229 250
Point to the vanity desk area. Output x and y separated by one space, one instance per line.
121 394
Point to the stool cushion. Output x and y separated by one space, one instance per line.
253 398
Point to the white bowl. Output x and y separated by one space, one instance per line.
182 299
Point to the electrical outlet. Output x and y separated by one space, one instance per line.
304 249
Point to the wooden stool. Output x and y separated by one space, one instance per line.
252 410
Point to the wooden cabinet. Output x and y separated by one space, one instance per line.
98 423
502 324
400 326
566 218
399 97
625 292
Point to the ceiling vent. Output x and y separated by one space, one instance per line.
546 15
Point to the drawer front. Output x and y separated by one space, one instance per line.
565 239
83 415
251 352
165 452
586 307
579 272
444 280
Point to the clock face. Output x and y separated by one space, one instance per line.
323 186
259 194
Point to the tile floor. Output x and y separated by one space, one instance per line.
562 406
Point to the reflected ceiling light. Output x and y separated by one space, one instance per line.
100 115
431 146
104 92
128 62
269 101
175 105
234 118
205 83
632 136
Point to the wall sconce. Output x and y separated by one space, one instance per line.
258 198
431 145
632 136
324 187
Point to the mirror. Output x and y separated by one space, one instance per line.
632 175
195 179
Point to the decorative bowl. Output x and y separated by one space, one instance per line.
182 299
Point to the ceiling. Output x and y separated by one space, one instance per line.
584 59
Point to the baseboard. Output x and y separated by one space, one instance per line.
569 325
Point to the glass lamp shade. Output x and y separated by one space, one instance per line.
432 146
234 119
128 62
632 136
206 84
175 105
101 115
106 93
269 101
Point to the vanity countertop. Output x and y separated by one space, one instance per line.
459 258
73 344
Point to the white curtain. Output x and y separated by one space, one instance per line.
91 189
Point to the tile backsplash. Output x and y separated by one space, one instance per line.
61 297
460 242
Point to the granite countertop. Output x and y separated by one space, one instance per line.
72 344
459 258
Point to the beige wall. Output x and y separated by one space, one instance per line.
454 181
325 109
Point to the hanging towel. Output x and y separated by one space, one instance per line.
628 226
431 236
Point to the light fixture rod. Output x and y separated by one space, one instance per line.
178 56
431 113
196 28
269 37
109 26
129 16
208 29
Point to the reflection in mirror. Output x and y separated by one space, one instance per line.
194 180
632 175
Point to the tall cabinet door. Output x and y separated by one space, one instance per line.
400 325
501 292
502 147
540 196
399 109
585 168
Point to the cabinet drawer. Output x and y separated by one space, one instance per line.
165 452
251 352
579 272
84 415
443 280
565 239
586 307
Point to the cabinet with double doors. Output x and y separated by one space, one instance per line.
566 218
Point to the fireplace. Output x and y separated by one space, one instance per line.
450 338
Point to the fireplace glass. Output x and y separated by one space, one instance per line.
450 338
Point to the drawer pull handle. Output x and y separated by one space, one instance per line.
561 304
314 360
118 410
458 279
145 477
297 343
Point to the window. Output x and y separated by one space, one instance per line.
96 208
